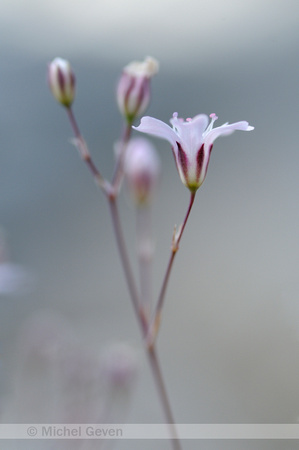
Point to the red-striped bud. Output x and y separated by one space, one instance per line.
61 80
133 90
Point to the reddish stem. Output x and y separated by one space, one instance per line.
154 327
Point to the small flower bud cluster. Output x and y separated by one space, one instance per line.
133 90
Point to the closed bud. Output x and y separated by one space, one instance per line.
61 80
133 90
142 170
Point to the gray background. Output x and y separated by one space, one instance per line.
229 341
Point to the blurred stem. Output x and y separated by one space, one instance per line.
118 171
144 252
143 322
126 265
155 365
155 324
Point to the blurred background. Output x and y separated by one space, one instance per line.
229 342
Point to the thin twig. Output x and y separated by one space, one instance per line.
126 265
85 155
155 324
155 365
144 246
111 192
118 171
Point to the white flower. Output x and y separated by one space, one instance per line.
191 141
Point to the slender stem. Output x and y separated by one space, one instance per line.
84 153
144 253
118 171
111 192
155 365
155 324
126 265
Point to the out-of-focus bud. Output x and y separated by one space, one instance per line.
142 170
119 366
61 80
42 341
133 90
15 279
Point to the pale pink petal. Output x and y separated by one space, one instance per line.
190 132
225 130
157 128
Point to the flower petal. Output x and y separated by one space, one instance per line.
157 128
190 132
225 130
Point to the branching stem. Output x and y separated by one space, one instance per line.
111 191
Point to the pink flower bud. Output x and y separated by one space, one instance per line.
133 90
61 80
142 170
